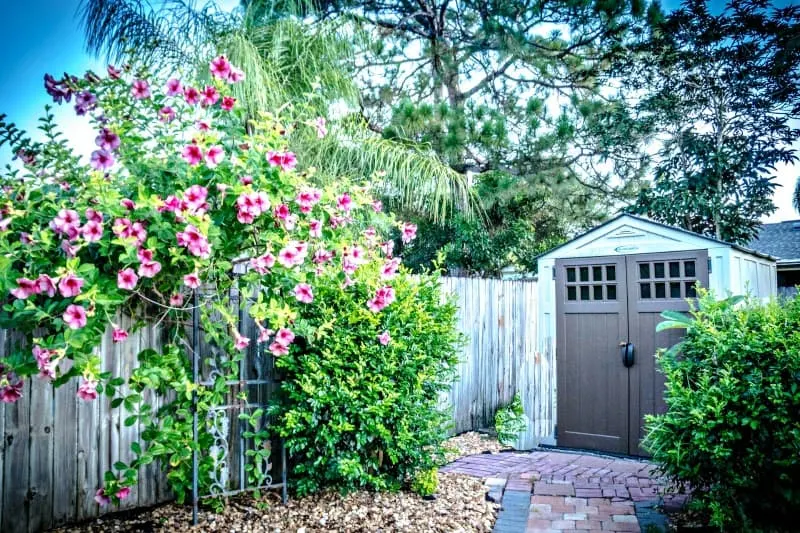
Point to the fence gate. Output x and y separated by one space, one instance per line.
607 310
236 427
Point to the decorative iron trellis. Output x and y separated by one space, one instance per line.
248 394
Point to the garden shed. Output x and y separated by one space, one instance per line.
600 297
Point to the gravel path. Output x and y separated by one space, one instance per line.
460 506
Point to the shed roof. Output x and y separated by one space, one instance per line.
655 224
781 240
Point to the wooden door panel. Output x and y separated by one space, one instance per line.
668 279
591 312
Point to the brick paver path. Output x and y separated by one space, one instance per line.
568 491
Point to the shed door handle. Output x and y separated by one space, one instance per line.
627 351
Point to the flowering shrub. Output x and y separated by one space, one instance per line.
179 188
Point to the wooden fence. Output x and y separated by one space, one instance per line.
55 448
502 356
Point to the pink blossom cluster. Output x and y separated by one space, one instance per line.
285 160
263 263
283 338
250 205
67 224
307 198
44 360
383 297
408 232
108 142
193 154
102 497
125 229
197 243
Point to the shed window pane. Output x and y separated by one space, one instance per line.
690 290
571 274
674 290
611 273
644 289
597 273
572 294
598 292
661 290
584 292
658 270
584 273
611 292
644 270
688 269
674 269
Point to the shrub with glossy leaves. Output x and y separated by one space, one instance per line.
732 427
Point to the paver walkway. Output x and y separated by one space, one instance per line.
568 491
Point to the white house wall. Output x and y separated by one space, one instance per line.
752 275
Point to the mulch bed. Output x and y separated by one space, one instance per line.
460 506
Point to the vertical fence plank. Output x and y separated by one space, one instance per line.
15 519
65 435
40 484
128 434
3 410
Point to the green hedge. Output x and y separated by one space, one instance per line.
732 429
359 414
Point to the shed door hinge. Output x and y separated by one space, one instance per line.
554 272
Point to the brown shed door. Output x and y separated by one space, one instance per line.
604 304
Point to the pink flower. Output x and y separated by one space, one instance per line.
166 114
75 316
128 204
210 96
25 238
87 390
101 160
69 250
45 284
383 297
344 202
203 125
303 293
66 223
377 206
138 232
286 160
123 493
101 498
176 300
140 89
191 95
263 333
94 216
92 231
284 337
12 392
192 280
387 248
281 212
174 87
144 255
246 180
315 228
113 73
278 349
227 103
107 140
195 198
192 154
25 288
240 342
307 198
149 269
263 263
322 129
384 338
235 76
47 367
287 257
408 232
126 279
389 269
118 334
220 67
214 156
322 256
70 285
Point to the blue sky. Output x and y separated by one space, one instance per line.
39 36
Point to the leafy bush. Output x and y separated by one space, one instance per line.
362 410
510 421
426 482
732 429
184 183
